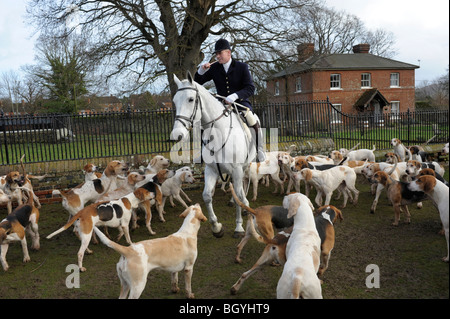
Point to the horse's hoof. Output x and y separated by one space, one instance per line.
238 234
220 233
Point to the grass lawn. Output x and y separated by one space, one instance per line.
408 257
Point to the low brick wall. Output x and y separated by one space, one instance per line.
66 174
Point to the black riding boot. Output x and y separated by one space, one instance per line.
260 155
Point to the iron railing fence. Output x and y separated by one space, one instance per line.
55 137
320 119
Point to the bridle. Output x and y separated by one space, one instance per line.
226 112
190 120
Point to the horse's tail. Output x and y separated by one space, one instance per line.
238 201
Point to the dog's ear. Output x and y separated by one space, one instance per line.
153 161
9 178
142 194
294 204
185 213
307 174
428 183
199 213
417 164
162 175
338 214
183 176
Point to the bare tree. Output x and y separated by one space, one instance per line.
9 83
30 90
381 43
337 32
145 39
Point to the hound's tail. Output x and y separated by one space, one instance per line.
238 201
37 177
297 285
69 223
374 148
60 192
123 250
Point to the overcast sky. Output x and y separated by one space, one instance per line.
421 30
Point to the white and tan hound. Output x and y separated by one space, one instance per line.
327 181
157 163
262 222
24 219
398 194
399 149
115 213
13 185
299 278
171 188
174 253
438 192
75 199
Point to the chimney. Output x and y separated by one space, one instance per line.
305 51
361 48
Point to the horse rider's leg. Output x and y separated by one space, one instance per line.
210 182
238 185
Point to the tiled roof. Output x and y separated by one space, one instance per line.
352 61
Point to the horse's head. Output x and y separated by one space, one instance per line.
187 104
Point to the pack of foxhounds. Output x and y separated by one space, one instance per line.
296 235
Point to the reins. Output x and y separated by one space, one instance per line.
198 103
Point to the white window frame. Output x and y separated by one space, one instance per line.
395 111
277 88
397 80
335 81
336 118
366 80
298 84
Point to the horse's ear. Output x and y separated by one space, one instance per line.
177 80
189 77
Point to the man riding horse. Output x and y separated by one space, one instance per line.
234 82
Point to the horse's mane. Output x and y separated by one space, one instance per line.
199 87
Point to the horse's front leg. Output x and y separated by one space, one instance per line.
210 182
238 186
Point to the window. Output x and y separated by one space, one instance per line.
335 81
298 84
395 79
336 117
277 88
365 80
395 110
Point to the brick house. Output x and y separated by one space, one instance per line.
355 82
